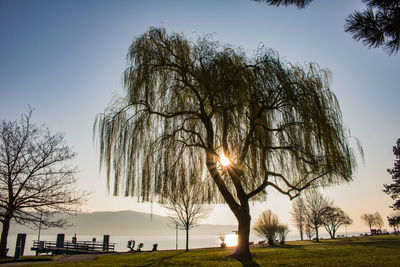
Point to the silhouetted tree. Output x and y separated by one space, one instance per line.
372 219
298 215
394 220
283 230
267 226
315 207
309 230
378 220
378 25
186 203
334 218
279 124
394 189
368 219
35 180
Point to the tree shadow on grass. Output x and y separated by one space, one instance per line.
248 263
156 262
280 246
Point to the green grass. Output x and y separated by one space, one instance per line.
360 251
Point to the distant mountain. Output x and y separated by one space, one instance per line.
124 223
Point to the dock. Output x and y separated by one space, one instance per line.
71 248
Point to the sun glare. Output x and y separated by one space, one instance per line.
224 160
231 240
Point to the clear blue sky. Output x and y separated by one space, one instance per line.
65 59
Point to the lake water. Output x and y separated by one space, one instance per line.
164 242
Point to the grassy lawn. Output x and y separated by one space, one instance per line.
359 251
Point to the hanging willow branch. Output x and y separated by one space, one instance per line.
192 102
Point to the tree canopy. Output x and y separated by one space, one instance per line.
279 124
298 3
334 218
377 26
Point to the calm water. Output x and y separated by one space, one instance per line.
164 242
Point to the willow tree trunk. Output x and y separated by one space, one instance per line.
241 211
242 249
4 236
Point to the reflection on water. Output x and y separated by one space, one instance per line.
231 240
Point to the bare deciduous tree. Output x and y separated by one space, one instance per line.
334 218
279 124
316 205
309 230
35 180
299 215
186 203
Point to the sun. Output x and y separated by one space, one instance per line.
224 160
231 240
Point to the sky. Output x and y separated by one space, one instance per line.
65 59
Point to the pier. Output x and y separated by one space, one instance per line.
73 247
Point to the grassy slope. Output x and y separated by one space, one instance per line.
362 251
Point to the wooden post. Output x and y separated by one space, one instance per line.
20 246
60 240
106 242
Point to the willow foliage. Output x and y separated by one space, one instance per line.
189 102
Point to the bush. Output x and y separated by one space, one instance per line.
267 226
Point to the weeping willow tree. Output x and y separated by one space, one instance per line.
198 102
